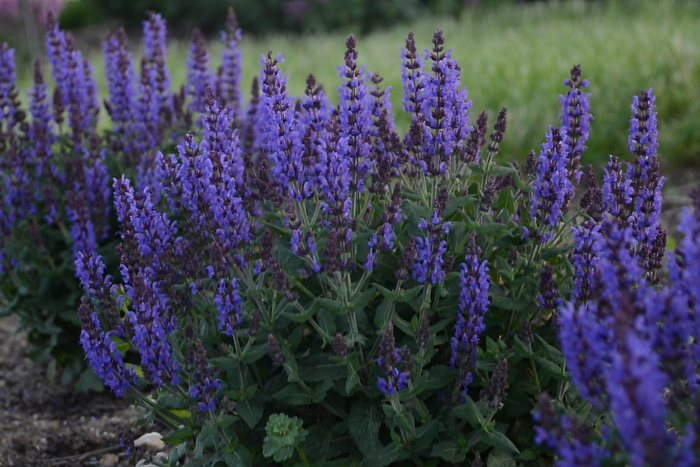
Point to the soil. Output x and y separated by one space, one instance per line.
45 424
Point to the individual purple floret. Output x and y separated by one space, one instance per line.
230 306
198 74
355 117
390 362
473 305
229 75
552 185
576 120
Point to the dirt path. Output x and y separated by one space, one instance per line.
43 424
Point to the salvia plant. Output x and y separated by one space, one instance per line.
293 282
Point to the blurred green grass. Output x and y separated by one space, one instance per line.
517 56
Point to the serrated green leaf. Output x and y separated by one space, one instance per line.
321 389
386 455
469 411
293 395
320 367
363 425
438 377
381 316
326 321
238 458
405 421
334 306
250 410
449 451
499 441
206 438
549 253
255 353
410 294
499 458
360 302
351 382
548 366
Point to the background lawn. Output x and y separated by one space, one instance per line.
517 55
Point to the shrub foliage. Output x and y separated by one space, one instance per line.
295 282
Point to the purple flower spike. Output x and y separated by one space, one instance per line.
576 120
198 73
355 117
445 107
391 362
636 388
154 32
552 185
230 306
229 76
473 305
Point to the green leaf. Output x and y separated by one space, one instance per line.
449 451
499 441
381 316
360 302
206 438
438 377
250 410
506 303
326 322
499 458
321 389
548 366
171 401
351 382
408 295
238 458
293 395
406 421
255 353
363 425
178 436
549 253
469 411
334 306
386 455
320 367
425 435
389 294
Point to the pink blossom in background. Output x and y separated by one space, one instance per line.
10 8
